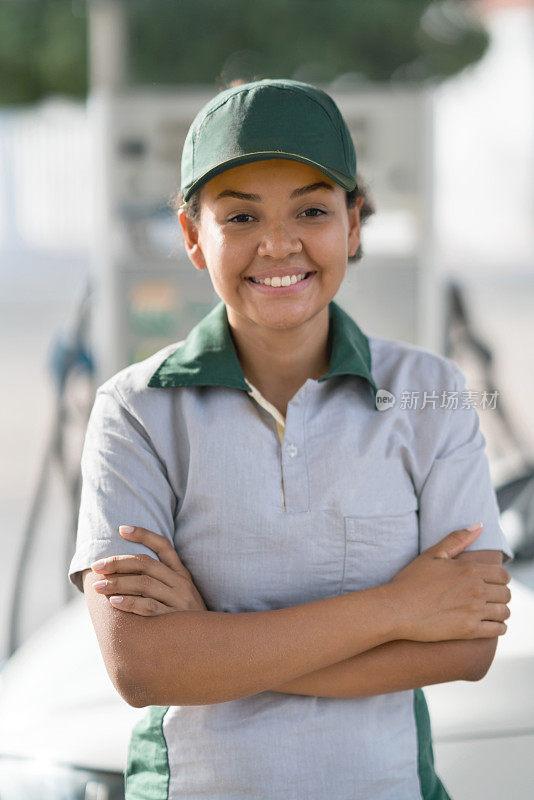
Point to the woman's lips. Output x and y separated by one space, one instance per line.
293 288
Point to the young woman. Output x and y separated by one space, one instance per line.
300 562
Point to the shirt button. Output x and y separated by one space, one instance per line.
291 450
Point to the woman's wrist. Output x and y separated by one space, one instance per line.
385 618
400 617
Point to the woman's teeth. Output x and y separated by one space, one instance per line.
287 280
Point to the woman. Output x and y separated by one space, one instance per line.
310 573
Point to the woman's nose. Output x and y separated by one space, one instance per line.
278 240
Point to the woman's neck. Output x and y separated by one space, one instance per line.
280 361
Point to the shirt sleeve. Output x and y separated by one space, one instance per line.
124 482
458 490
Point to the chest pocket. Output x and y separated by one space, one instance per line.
377 548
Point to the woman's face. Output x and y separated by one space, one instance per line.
266 220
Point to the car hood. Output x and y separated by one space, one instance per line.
502 703
57 701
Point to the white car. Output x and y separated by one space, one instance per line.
64 730
483 731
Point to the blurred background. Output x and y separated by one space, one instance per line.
96 97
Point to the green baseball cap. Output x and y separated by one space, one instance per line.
270 118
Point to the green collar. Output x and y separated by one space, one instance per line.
208 356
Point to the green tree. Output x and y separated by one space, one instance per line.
43 42
42 49
217 40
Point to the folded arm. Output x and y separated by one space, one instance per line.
204 657
399 665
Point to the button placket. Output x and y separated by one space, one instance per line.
294 465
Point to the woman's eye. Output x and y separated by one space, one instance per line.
239 218
318 210
308 212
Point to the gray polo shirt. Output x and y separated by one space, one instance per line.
267 512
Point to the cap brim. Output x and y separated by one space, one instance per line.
345 181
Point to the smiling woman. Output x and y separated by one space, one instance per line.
310 573
246 234
255 224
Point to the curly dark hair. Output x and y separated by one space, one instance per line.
192 207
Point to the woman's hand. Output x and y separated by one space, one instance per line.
437 597
148 587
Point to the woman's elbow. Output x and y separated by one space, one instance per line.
141 690
135 694
481 658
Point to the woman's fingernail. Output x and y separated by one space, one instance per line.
474 527
126 528
116 599
98 565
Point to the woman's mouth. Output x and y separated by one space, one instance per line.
282 284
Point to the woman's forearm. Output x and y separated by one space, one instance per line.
396 666
203 657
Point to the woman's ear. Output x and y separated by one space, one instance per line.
354 227
192 245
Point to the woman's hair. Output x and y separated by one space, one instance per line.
192 207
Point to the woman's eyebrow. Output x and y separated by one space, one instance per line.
312 187
295 193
